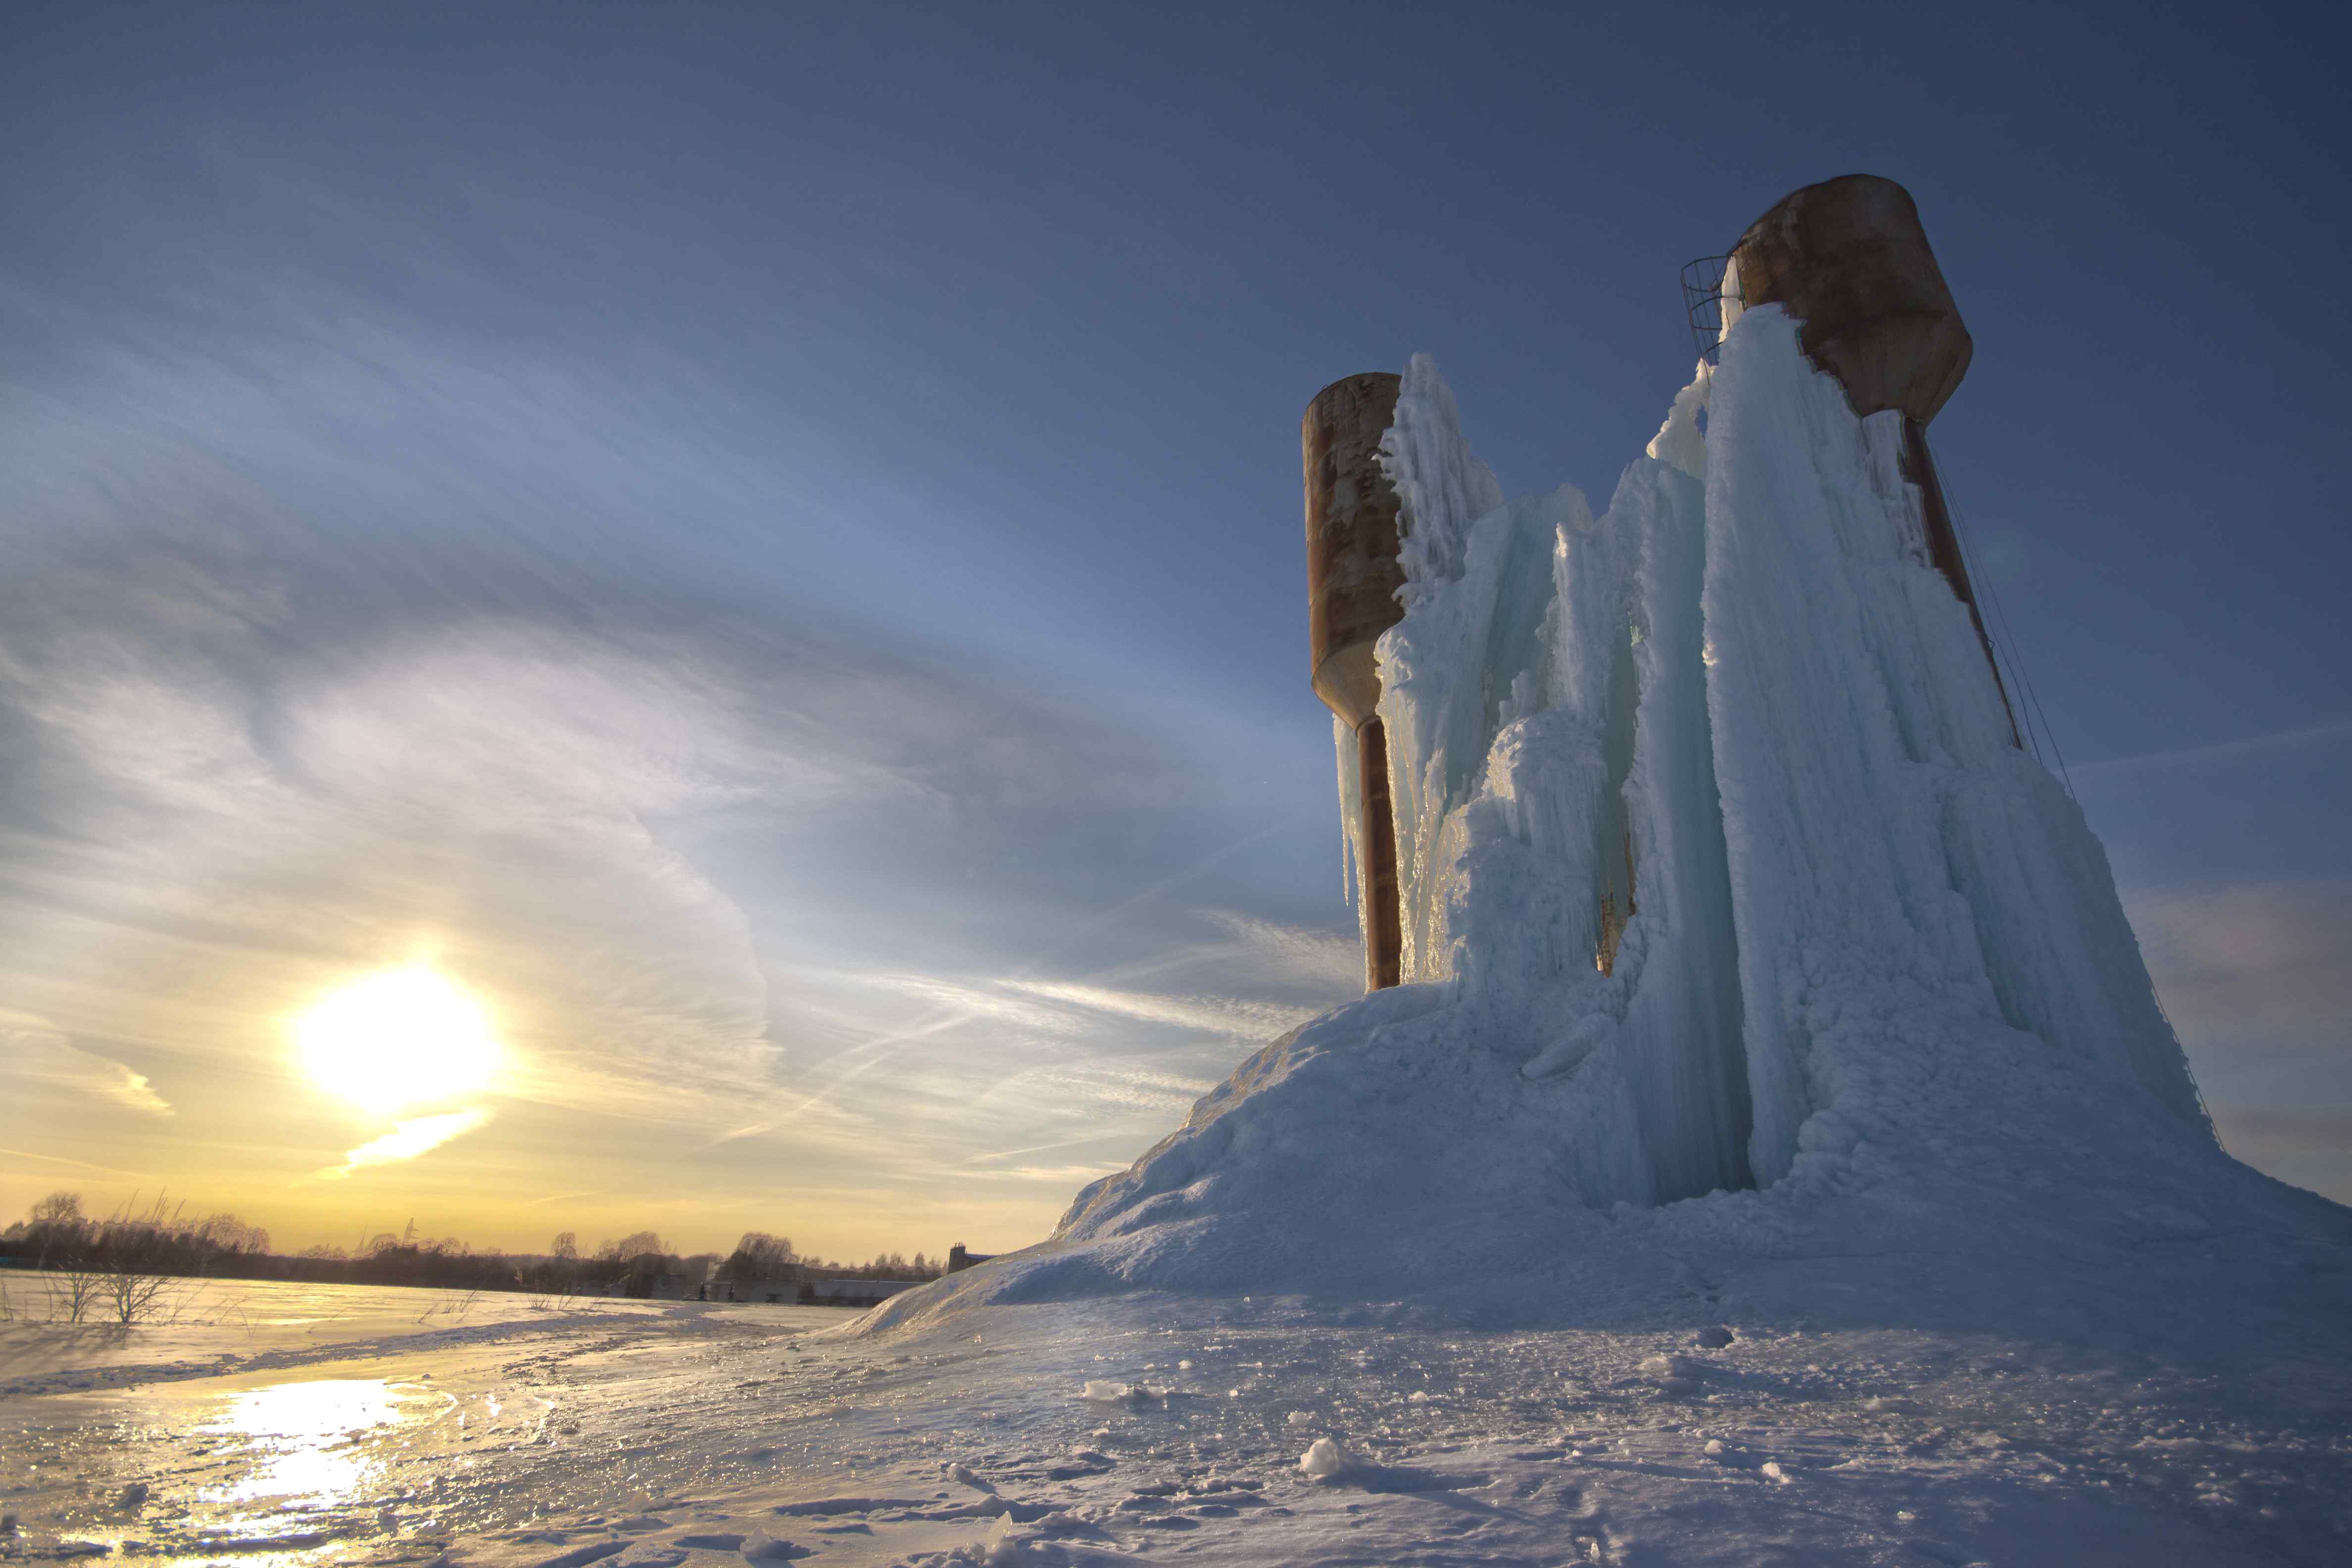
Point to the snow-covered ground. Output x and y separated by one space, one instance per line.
1144 1428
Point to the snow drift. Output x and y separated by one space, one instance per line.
1737 930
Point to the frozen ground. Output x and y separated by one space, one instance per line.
496 1433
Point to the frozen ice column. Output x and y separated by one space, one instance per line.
1849 259
1353 525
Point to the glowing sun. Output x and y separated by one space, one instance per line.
403 1037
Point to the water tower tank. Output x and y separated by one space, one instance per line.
1354 524
1848 259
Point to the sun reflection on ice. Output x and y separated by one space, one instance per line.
304 1439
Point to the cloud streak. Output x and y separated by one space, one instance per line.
37 1057
421 1135
2236 753
1224 1016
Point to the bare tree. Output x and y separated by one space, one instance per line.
636 1244
57 1209
758 1256
78 1291
130 1297
566 1247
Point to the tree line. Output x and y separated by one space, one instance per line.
161 1241
758 1256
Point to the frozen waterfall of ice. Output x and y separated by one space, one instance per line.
1723 882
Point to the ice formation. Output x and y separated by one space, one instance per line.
1723 880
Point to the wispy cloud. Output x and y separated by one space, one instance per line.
2242 749
1226 1016
37 1057
1088 1088
218 770
336 642
1319 960
565 1198
2248 953
408 1139
76 1164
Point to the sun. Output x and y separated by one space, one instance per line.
401 1037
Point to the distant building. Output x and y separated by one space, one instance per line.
959 1260
778 1283
852 1292
692 1285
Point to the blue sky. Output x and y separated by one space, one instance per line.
765 540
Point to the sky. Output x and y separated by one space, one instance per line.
763 544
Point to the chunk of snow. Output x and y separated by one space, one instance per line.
1102 1391
1326 1460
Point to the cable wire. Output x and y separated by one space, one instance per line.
2017 663
2016 655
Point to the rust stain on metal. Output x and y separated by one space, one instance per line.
1849 259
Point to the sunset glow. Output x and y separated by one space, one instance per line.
398 1039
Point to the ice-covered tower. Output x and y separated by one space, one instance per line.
1848 260
1876 998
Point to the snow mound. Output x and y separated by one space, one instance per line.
1326 1459
1750 963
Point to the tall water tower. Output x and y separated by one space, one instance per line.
1352 578
1847 258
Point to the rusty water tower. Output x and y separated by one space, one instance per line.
1850 261
1353 526
1847 258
